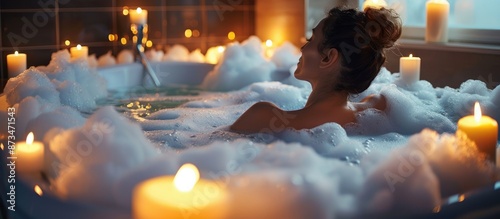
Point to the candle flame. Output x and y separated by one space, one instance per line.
411 55
139 10
79 47
38 190
269 43
16 53
477 112
1 146
30 138
67 42
187 176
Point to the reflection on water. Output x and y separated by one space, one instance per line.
141 102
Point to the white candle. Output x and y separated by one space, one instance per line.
409 67
377 4
179 197
139 16
30 155
79 51
436 29
16 63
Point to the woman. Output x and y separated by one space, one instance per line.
343 56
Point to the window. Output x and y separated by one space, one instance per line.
475 21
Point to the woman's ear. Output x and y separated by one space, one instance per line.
330 59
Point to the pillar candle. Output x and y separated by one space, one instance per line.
436 29
16 63
139 16
377 4
483 130
79 51
179 197
30 156
409 68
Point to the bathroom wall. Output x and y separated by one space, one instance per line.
41 27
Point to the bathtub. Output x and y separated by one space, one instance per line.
124 76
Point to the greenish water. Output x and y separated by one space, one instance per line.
140 101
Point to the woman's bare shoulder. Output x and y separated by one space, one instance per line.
256 118
375 101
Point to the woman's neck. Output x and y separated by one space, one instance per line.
319 94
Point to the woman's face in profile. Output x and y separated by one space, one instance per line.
308 66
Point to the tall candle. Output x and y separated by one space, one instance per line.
179 197
436 29
79 51
139 16
483 130
30 155
409 68
16 63
377 4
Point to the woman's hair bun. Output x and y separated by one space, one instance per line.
384 27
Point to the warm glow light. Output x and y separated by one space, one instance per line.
187 176
38 190
30 138
67 42
134 39
188 33
79 47
139 10
149 43
125 10
1 146
269 43
231 35
220 49
111 37
196 33
16 53
123 40
461 198
477 112
411 55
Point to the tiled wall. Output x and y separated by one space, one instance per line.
41 27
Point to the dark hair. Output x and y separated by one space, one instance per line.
361 38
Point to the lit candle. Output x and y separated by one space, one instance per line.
139 16
182 196
483 130
377 4
269 51
436 29
79 51
214 54
409 68
29 155
16 63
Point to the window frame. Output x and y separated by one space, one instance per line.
455 35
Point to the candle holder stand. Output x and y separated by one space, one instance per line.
139 48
